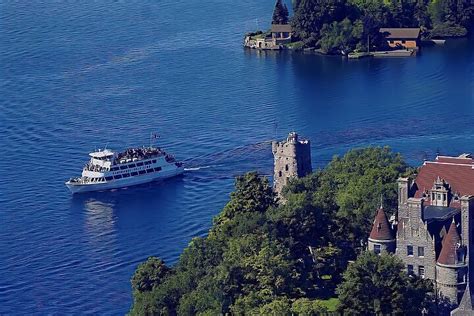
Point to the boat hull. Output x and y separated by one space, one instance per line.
124 182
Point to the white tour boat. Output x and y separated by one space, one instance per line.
109 170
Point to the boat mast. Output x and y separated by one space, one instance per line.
153 136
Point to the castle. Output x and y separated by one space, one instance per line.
433 229
433 232
292 159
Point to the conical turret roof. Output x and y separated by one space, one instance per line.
466 301
381 229
451 243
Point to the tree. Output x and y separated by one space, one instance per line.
280 13
307 307
378 285
311 15
149 274
253 194
260 256
340 36
279 306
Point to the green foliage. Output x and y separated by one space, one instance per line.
330 304
252 195
149 274
348 191
335 25
280 306
261 258
340 36
311 15
446 30
280 13
307 307
378 285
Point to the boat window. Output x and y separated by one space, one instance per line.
157 169
108 178
118 177
140 164
123 167
126 175
154 160
142 172
147 162
132 165
149 170
134 173
114 168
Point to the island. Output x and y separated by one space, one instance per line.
359 27
366 235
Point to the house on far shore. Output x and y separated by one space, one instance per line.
281 33
402 38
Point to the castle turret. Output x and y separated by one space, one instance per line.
382 237
466 307
292 159
451 267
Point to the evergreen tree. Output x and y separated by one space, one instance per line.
280 13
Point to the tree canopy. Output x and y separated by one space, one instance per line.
280 13
378 285
265 258
335 25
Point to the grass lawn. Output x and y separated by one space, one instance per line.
331 304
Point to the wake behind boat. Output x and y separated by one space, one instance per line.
109 170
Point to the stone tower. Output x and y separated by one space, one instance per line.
292 159
381 237
451 267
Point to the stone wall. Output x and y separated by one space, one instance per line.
416 236
385 245
292 159
467 210
451 282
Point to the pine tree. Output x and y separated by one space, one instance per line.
280 13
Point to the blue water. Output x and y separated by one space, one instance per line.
77 75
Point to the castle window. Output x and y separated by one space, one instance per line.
286 167
410 269
409 250
377 249
421 271
279 174
421 251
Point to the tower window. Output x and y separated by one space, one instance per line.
409 250
286 167
377 249
421 251
421 271
279 174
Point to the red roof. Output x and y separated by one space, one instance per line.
381 229
450 244
458 172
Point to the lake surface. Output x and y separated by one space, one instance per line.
80 75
